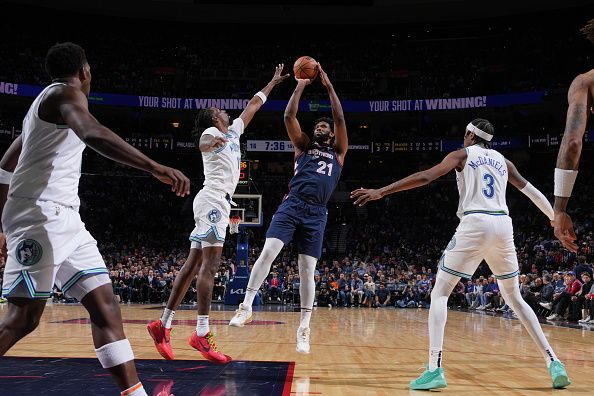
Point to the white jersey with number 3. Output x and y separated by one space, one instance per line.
482 182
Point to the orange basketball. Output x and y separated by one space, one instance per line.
305 67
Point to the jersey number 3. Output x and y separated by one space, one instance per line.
489 180
323 166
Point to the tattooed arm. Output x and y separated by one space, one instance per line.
569 153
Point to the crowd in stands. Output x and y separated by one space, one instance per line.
391 256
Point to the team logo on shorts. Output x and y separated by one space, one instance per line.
451 244
214 216
28 252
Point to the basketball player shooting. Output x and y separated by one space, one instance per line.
318 164
485 232
580 97
46 240
219 143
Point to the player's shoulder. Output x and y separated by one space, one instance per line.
238 124
212 131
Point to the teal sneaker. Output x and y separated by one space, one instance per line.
559 375
429 380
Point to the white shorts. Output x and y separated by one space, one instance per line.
48 244
481 237
211 214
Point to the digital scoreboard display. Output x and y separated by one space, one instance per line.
244 172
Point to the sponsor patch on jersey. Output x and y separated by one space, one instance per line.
28 252
451 244
214 216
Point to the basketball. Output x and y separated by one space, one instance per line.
305 67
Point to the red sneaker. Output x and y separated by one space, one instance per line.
162 338
208 348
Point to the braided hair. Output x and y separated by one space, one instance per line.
483 125
202 121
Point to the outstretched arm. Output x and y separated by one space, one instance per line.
299 139
256 102
341 140
73 109
529 190
568 159
451 161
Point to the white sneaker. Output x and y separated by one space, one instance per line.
591 321
481 308
546 305
553 317
243 315
303 340
587 320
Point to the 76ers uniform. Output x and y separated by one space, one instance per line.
212 204
46 240
303 211
485 230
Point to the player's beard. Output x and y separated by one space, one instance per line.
321 139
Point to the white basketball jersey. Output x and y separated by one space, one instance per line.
221 166
483 182
50 162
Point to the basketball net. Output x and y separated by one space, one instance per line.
234 224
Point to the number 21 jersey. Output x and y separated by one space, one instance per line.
317 171
483 182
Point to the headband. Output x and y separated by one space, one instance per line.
479 132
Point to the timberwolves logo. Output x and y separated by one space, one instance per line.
28 252
451 244
214 216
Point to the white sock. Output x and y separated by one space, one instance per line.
202 327
434 358
307 287
261 268
134 390
511 294
167 317
438 315
305 317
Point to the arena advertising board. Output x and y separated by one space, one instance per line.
354 106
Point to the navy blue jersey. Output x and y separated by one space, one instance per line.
317 172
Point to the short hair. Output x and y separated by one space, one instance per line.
585 273
202 121
64 60
483 125
328 120
547 278
588 30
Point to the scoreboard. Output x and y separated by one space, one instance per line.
245 167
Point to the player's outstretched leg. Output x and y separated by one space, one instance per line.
202 339
307 294
160 330
433 377
272 248
111 346
22 317
511 294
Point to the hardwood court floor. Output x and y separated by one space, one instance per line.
355 351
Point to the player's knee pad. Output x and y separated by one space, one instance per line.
115 353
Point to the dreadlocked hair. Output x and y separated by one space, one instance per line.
588 30
202 121
483 125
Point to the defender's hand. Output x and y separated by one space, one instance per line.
278 76
180 184
564 231
362 196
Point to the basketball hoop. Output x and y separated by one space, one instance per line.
234 224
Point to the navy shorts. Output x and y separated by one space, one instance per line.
305 221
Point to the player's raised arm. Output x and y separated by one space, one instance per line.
569 157
517 180
341 140
73 109
299 139
260 98
451 161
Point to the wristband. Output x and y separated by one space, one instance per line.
261 95
564 181
5 176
